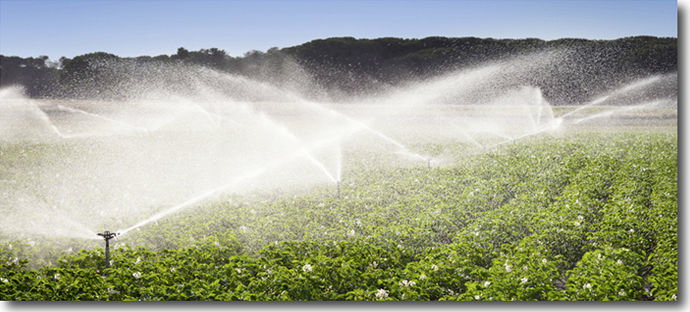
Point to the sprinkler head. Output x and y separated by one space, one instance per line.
107 235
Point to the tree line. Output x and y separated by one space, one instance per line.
351 66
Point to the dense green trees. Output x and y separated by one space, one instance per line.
38 75
356 66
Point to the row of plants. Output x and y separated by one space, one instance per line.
586 217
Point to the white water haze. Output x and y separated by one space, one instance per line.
75 167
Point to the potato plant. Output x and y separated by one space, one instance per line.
583 217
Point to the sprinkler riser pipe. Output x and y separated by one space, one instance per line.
107 236
107 253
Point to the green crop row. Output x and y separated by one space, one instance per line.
585 217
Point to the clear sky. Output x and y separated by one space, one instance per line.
152 27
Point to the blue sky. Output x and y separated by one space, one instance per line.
152 27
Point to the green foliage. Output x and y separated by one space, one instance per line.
37 75
352 66
578 218
609 274
528 272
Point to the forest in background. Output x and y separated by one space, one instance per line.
346 66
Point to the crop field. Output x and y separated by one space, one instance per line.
340 151
586 215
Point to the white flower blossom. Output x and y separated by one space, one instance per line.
138 260
112 291
381 293
137 275
307 267
216 243
619 262
56 276
406 283
631 230
524 280
544 261
477 297
674 297
4 280
351 233
374 264
580 218
243 228
577 223
621 292
173 270
422 277
487 283
587 286
508 267
434 267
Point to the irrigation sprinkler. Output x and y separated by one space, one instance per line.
337 184
107 236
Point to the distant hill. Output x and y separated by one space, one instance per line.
349 66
